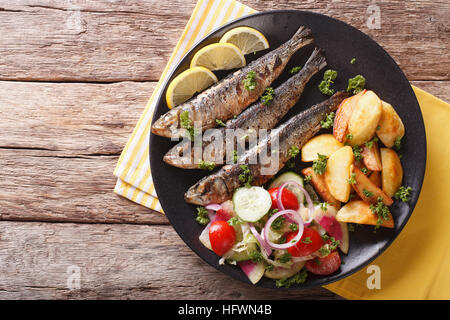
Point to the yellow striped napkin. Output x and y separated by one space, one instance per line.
133 169
415 266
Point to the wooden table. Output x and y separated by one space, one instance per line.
74 79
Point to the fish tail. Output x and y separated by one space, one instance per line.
336 99
301 38
317 59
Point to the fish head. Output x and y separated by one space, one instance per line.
182 155
168 125
211 189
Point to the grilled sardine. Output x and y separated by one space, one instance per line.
257 116
229 97
219 186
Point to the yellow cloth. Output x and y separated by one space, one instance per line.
413 267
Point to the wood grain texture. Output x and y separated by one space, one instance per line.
87 40
115 262
70 118
39 186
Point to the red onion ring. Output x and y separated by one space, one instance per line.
280 203
307 196
264 244
211 210
279 195
291 243
213 207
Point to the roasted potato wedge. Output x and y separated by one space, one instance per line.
371 156
324 144
360 165
359 212
392 171
318 182
375 177
366 189
390 125
365 118
343 113
338 172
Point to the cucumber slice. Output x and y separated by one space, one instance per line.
243 255
251 204
251 246
274 236
289 176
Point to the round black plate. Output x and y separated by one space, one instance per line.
341 43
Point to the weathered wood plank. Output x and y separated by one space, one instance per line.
71 41
115 262
86 40
70 118
38 186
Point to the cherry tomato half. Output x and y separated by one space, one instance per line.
288 198
310 242
324 266
222 237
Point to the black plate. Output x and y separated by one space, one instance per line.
341 43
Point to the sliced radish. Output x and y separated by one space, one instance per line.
327 221
228 207
254 271
222 215
332 226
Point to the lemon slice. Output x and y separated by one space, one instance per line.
219 56
248 40
187 83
